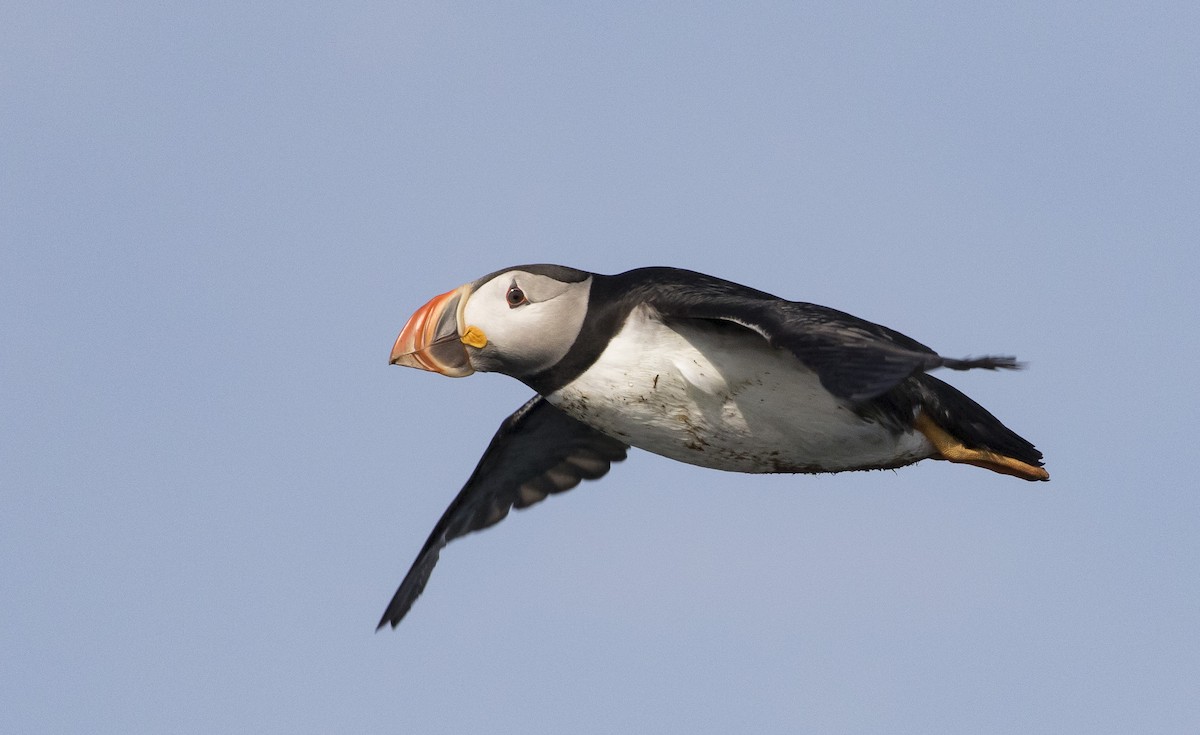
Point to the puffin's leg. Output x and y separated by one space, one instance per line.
953 450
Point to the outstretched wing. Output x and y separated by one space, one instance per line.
537 451
855 359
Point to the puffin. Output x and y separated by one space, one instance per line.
692 367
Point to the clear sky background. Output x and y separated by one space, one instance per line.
214 221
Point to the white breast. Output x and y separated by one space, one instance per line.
723 398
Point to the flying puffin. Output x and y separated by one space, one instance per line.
692 367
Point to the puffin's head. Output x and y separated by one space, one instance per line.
518 321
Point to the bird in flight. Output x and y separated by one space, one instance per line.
692 367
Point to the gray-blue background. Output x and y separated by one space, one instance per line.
215 220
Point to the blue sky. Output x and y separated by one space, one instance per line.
215 221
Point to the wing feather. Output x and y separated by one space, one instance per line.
537 451
855 359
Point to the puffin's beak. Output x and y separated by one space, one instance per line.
432 340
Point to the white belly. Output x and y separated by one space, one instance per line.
760 411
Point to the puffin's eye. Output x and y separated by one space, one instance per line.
515 297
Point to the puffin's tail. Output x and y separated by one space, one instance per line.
963 431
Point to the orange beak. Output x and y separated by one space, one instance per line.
432 339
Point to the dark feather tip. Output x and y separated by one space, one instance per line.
987 362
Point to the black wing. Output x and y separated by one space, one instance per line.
856 360
537 451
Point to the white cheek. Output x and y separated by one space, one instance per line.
527 339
